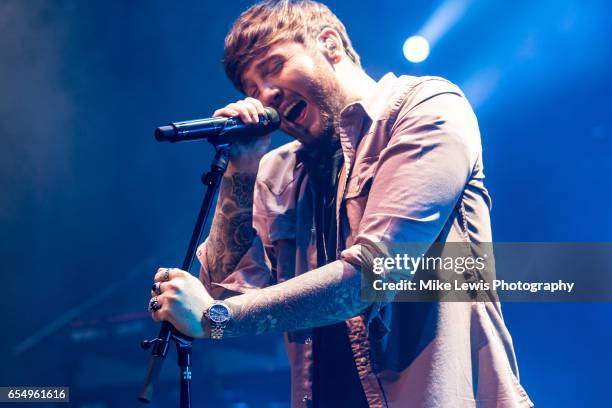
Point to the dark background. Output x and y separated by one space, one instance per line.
91 205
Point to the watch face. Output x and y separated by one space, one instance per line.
219 313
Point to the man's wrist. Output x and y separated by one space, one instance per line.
204 321
205 324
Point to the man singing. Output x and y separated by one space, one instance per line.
398 160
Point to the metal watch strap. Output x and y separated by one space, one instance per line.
216 330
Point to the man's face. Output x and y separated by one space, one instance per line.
300 84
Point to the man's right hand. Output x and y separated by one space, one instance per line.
244 157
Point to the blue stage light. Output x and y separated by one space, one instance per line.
416 49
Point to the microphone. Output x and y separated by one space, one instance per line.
218 130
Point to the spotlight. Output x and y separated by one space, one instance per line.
416 49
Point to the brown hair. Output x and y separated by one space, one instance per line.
273 21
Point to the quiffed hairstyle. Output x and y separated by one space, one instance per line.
273 21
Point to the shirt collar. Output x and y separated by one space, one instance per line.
356 117
377 102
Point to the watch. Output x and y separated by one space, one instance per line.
218 314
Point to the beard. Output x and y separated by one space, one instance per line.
329 97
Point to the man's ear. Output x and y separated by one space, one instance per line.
330 45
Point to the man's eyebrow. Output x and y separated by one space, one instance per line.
263 65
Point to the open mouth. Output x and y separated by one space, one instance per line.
295 112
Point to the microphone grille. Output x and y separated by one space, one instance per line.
273 118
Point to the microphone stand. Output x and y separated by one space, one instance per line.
167 332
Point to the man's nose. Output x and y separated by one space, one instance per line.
272 96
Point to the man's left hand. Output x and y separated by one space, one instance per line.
181 299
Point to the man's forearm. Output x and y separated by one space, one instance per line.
322 296
231 232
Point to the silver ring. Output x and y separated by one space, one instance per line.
166 276
156 288
154 305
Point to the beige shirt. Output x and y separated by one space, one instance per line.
413 173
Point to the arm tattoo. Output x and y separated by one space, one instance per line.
232 231
320 297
